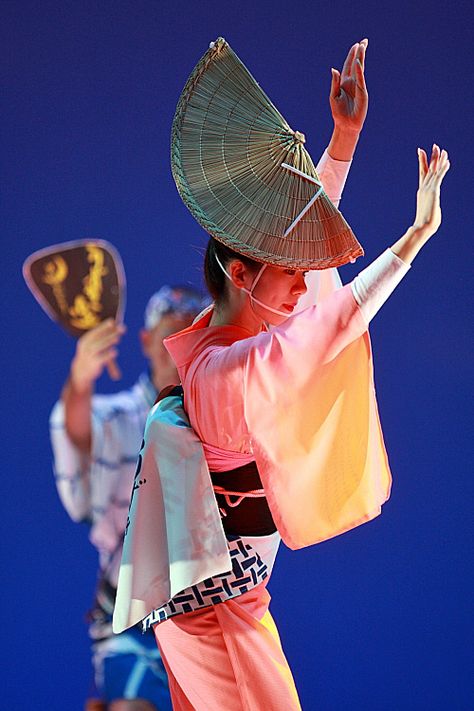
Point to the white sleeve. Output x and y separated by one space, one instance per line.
84 481
320 283
373 286
71 468
333 175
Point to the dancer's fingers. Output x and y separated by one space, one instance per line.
102 340
359 76
347 68
434 158
360 55
113 370
446 167
335 83
422 165
443 166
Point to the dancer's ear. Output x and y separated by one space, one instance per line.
241 275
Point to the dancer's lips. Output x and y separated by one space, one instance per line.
289 307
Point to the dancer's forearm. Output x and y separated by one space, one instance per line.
343 143
408 246
77 415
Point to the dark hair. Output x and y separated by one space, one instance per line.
213 274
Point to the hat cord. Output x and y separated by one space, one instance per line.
252 287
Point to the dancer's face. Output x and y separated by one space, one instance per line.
280 289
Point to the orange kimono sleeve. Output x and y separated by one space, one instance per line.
314 425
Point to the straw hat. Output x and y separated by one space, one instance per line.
79 284
246 176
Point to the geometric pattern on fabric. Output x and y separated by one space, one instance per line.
248 571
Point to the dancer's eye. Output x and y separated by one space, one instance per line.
290 272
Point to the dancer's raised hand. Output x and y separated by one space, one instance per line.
348 98
428 208
96 350
428 204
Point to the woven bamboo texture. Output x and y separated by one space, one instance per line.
228 145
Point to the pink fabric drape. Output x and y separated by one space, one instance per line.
300 398
228 656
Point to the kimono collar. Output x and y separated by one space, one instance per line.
185 345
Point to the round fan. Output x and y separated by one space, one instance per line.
79 284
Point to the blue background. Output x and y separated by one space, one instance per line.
375 619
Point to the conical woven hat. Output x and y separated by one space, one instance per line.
228 147
79 284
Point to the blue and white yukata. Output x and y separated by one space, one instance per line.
96 489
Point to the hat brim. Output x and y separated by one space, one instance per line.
229 149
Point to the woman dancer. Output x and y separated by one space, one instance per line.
289 429
228 655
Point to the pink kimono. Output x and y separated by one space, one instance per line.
299 400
